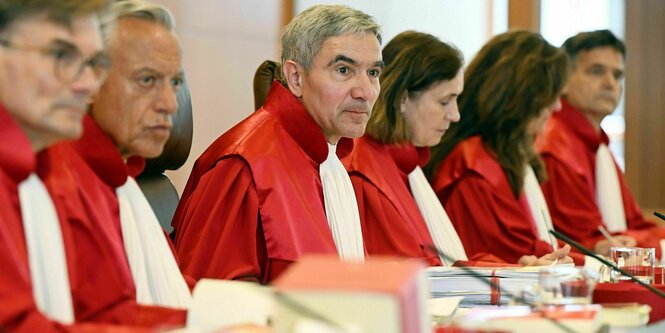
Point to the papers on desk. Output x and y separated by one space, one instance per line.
221 303
518 319
475 286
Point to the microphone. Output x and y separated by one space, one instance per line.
484 279
610 264
659 215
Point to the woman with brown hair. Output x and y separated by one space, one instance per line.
486 172
399 212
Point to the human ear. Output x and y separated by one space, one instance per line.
293 76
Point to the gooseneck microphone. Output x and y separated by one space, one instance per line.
612 265
502 291
659 215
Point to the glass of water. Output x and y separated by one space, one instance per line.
564 285
637 261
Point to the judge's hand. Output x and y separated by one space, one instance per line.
603 247
559 256
246 329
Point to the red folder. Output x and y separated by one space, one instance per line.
631 292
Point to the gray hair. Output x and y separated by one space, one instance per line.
138 9
303 36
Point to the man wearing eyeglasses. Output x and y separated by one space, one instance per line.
131 275
51 64
130 119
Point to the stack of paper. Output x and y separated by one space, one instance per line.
482 285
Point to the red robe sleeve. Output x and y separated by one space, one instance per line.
385 230
573 209
490 222
220 234
575 212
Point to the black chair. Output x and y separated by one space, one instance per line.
267 72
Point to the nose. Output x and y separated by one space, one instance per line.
365 88
87 84
453 115
166 99
609 80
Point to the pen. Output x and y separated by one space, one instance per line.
607 235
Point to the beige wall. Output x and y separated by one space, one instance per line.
223 43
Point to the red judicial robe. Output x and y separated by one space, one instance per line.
81 177
488 217
18 311
390 219
254 202
568 147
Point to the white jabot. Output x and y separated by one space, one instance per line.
341 208
538 207
440 227
608 191
156 274
46 251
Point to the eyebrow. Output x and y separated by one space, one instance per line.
64 43
146 69
341 57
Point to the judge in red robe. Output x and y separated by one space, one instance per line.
39 107
480 171
131 118
243 210
384 158
568 147
254 202
572 142
82 177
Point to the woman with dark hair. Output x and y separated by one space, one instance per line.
486 171
399 212
418 101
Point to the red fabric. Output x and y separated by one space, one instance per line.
390 219
379 174
254 203
629 293
18 311
82 177
478 199
568 147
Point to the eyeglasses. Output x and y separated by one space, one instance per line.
68 62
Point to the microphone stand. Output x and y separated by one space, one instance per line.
613 266
484 279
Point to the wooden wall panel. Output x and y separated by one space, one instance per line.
645 102
288 12
524 15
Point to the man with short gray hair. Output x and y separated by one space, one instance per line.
131 276
272 188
